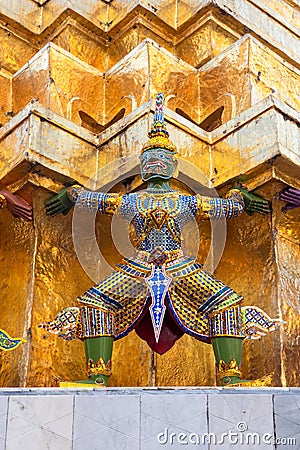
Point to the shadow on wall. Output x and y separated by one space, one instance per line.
92 125
210 123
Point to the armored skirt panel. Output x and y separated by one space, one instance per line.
120 303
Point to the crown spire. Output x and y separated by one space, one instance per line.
159 136
158 127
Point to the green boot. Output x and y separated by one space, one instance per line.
98 353
228 355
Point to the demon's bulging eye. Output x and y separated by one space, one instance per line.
161 155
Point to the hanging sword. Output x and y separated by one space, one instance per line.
158 284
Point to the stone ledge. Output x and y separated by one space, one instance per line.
155 390
149 418
38 136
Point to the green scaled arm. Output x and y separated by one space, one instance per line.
59 203
253 203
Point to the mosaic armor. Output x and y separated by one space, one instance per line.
194 302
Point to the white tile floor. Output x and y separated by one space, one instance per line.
40 422
149 419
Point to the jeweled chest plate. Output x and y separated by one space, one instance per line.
159 212
162 204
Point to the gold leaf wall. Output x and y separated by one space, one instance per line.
77 84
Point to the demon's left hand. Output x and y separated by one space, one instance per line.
59 203
254 203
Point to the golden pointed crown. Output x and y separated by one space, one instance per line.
159 136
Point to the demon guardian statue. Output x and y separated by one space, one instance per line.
160 292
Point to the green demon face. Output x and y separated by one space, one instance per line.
157 163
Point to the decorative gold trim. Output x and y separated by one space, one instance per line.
112 202
259 382
203 207
74 191
227 370
234 336
159 141
233 191
100 368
